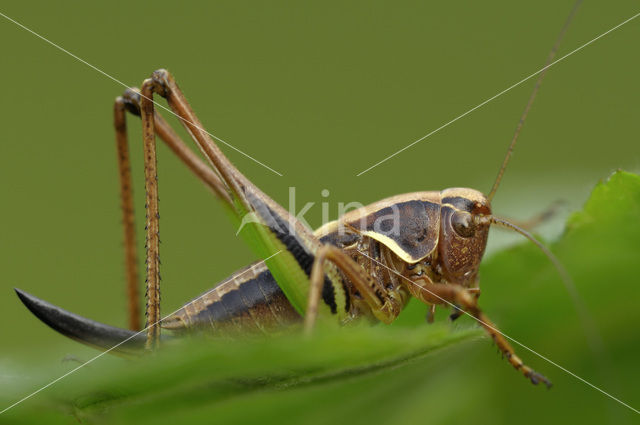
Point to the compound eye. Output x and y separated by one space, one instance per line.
463 224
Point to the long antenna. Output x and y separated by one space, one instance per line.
552 54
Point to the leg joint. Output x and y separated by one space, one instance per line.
163 80
131 100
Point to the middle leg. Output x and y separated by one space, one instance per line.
384 304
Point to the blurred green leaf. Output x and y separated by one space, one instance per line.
196 372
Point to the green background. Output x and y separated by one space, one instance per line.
319 92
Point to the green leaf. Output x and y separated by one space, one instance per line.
207 373
404 373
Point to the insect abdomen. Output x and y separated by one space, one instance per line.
250 301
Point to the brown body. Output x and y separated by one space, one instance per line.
251 300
